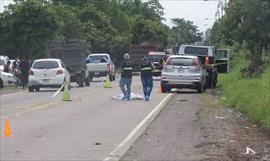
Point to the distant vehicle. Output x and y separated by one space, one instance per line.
157 59
6 79
206 55
138 51
183 72
223 60
73 54
99 65
47 73
3 62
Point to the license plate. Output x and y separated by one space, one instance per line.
45 80
173 82
96 73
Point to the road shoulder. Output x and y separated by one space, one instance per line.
196 128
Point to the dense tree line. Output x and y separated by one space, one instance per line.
106 25
246 23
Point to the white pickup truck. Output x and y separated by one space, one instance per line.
99 65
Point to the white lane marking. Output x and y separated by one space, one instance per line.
12 93
123 147
56 93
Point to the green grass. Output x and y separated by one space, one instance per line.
249 96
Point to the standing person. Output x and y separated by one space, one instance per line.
146 68
126 77
24 68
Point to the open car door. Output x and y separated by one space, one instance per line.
223 60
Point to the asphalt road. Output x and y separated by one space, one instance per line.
89 127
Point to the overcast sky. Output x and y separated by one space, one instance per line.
193 10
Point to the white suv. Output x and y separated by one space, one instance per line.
47 73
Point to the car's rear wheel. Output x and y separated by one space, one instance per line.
87 81
164 89
200 88
30 89
80 80
37 89
1 84
111 77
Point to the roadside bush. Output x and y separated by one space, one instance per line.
249 96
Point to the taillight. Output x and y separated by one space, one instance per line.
196 64
206 61
59 72
31 72
108 67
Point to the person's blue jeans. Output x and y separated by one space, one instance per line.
125 84
147 83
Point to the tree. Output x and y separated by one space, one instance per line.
184 32
26 26
246 22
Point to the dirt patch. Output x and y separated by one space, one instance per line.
231 135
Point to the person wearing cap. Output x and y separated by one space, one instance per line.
126 77
146 69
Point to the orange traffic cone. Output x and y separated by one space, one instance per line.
161 90
8 131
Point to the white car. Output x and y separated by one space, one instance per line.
47 73
3 62
6 79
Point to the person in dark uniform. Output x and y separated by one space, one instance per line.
146 69
24 68
126 77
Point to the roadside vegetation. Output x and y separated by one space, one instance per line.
250 96
246 30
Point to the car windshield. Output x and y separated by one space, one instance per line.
98 58
2 62
154 58
180 62
45 65
195 50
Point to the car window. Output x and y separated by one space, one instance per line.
45 64
180 62
196 50
222 54
98 59
155 58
